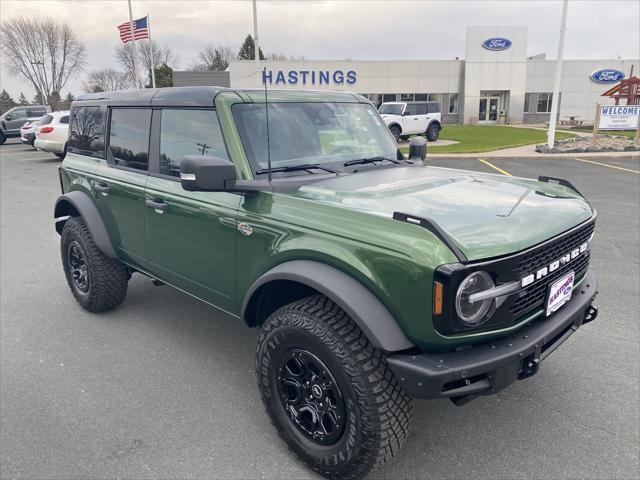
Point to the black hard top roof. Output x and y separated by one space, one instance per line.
205 96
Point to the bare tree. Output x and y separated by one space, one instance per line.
149 52
108 80
215 58
44 51
283 56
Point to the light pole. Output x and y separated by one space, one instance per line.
256 43
551 134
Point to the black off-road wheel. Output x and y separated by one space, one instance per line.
395 131
328 391
433 132
97 282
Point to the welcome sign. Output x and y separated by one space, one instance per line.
619 117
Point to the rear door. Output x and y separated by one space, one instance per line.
119 183
410 120
190 235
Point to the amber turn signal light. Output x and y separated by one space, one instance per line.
437 298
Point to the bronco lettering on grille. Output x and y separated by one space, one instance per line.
553 266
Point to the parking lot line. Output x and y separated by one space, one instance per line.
504 172
607 165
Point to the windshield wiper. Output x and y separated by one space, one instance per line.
361 161
294 168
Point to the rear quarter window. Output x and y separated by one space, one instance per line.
45 120
87 131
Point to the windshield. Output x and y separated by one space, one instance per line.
391 108
312 133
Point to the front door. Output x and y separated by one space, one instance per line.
488 111
190 235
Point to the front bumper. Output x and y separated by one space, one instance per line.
487 368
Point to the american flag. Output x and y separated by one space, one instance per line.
140 30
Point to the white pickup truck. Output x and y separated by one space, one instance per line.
412 118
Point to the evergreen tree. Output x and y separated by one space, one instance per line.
37 99
248 49
54 101
23 100
6 102
164 76
66 103
218 62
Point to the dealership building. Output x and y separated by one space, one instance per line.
498 81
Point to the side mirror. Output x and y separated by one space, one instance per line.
204 173
417 148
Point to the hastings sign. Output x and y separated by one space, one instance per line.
496 44
607 75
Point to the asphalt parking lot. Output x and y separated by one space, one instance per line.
163 387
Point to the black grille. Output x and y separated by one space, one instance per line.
534 295
547 254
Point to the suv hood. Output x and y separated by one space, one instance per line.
485 215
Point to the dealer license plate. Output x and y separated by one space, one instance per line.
560 292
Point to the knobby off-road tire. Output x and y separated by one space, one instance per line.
376 412
97 282
433 132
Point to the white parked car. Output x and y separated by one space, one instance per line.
52 133
412 118
28 132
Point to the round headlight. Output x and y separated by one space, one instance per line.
473 314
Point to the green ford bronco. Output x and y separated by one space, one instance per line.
373 277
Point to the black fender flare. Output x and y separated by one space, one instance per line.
357 301
436 122
78 203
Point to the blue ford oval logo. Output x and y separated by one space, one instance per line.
607 75
496 43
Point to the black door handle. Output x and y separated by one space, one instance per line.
102 188
157 206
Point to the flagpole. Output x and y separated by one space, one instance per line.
133 48
151 52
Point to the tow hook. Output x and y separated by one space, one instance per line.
590 314
530 366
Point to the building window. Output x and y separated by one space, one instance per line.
544 102
421 97
406 97
453 103
389 97
527 98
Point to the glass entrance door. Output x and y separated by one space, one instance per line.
488 111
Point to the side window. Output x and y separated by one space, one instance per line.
87 131
433 107
35 112
18 114
45 120
421 108
129 137
188 132
64 119
411 109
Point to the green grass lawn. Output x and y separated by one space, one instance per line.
486 138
